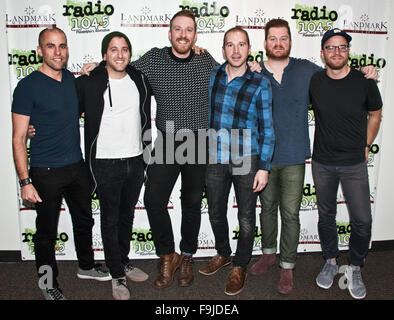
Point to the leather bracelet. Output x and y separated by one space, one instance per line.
24 182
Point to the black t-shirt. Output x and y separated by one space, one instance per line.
341 107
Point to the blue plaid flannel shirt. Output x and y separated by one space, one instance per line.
244 104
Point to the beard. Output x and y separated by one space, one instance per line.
282 56
335 65
182 48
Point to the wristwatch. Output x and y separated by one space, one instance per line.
368 146
24 182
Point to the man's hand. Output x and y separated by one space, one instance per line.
260 180
367 154
198 50
88 67
254 66
370 72
31 131
29 193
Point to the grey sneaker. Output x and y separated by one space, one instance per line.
96 273
326 277
120 290
53 294
355 283
135 274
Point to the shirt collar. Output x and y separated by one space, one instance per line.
181 60
248 73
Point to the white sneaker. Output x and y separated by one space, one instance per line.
135 274
325 278
120 290
355 283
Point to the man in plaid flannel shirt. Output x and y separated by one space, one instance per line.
241 143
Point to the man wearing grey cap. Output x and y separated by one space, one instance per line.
116 101
347 113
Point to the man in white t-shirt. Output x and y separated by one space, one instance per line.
116 101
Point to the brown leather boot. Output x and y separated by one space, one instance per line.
169 264
236 281
186 276
214 265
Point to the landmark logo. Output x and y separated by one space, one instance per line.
31 17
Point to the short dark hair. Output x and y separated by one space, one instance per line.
107 39
276 23
50 29
234 29
185 13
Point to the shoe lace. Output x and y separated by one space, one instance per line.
98 269
163 266
55 293
214 261
128 267
356 277
121 282
328 268
188 259
236 274
187 262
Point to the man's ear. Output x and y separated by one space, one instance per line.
39 51
169 35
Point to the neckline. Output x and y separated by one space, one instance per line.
181 60
49 77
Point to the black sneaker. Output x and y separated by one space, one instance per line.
53 294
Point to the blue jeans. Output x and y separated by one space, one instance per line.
355 187
119 183
52 184
219 180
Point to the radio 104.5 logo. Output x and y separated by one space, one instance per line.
88 17
210 17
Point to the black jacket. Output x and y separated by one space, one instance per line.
90 91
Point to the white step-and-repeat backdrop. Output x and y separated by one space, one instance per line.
146 23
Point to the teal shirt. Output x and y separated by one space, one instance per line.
290 100
53 110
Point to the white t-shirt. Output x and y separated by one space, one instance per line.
120 128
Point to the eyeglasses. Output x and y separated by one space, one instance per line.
342 48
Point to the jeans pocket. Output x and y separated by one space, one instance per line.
37 172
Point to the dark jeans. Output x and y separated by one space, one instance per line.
119 183
160 182
219 179
52 184
355 187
